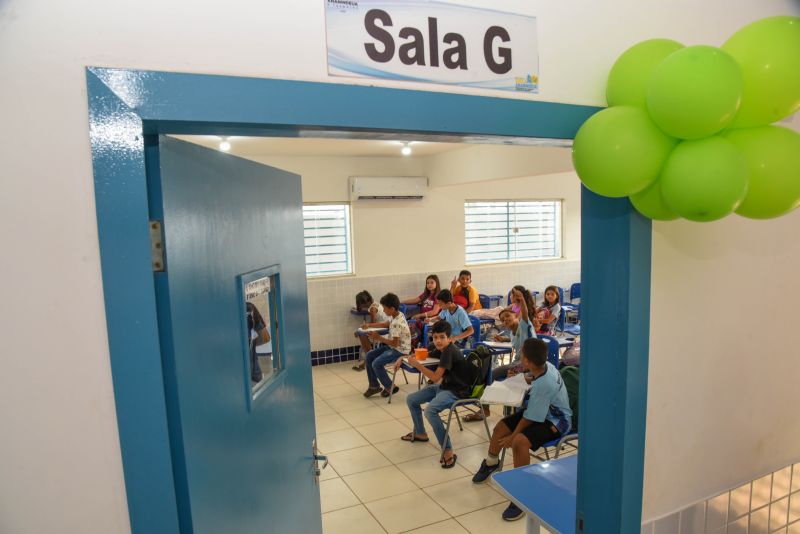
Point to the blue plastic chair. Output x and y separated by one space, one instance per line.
568 328
484 300
553 349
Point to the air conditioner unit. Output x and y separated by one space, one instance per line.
388 187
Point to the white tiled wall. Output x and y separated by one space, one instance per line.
330 299
770 504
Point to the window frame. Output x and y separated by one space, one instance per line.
348 239
558 226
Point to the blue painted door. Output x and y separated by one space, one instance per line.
241 464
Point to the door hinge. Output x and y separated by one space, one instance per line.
157 246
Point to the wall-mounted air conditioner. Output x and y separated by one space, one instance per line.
388 187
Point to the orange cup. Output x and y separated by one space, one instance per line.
421 354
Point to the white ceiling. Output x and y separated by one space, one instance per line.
292 146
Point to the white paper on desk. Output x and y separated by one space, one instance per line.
510 391
371 329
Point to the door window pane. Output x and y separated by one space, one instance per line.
263 335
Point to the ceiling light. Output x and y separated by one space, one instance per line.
224 145
406 151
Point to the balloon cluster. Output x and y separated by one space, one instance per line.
688 133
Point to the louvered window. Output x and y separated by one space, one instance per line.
500 231
326 229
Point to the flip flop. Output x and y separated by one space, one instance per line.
449 464
475 416
411 437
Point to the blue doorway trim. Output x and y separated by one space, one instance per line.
126 105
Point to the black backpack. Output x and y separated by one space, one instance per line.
481 358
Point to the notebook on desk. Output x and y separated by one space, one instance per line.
509 392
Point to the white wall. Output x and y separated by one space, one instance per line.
506 174
724 402
60 452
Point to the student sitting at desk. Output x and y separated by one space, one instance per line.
454 314
377 319
461 288
427 302
395 345
521 329
547 417
452 380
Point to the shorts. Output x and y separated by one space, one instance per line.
537 433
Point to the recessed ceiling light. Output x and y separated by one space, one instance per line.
406 151
224 145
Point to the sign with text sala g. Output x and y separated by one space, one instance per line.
433 42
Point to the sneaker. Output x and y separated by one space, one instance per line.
483 473
512 513
372 391
385 392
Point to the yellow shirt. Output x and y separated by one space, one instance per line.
474 300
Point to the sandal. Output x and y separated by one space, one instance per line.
475 416
411 437
360 366
449 463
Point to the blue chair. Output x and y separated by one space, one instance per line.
571 306
476 326
563 326
484 300
553 349
402 308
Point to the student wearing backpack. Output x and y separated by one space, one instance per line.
453 379
547 417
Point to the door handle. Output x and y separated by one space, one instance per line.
316 457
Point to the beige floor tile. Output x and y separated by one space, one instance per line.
349 403
341 368
340 440
317 397
353 520
461 496
328 379
330 422
335 391
322 408
357 378
367 416
385 431
357 460
464 438
427 471
490 520
393 512
396 409
450 526
334 494
401 451
379 483
328 473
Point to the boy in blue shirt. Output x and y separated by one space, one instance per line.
546 418
454 314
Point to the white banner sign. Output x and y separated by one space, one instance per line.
434 42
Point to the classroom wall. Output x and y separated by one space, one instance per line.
59 454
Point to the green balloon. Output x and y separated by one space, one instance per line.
619 151
704 180
768 52
627 81
773 157
695 92
650 204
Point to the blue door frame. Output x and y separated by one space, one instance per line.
125 105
